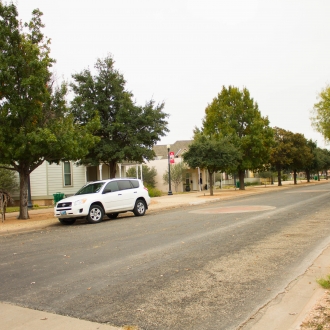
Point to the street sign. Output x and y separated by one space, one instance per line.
171 157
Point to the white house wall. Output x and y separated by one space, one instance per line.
38 179
47 180
56 182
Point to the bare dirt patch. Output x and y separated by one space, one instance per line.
319 317
38 219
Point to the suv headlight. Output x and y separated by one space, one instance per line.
80 201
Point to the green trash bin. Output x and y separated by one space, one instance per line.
237 184
57 197
315 177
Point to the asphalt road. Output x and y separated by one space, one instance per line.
200 267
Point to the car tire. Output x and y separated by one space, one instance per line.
95 214
140 207
67 222
112 215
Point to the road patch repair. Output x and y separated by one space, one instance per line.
234 209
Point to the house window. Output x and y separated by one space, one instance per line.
67 170
187 179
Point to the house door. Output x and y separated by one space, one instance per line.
91 173
194 178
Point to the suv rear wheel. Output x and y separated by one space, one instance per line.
95 214
140 207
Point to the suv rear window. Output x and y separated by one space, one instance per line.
124 184
135 183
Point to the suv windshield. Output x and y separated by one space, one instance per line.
91 188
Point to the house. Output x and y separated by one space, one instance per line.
194 178
66 178
197 179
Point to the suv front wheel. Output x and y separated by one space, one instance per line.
67 222
140 207
95 214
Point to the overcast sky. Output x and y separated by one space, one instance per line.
182 52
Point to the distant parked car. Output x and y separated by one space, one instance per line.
98 198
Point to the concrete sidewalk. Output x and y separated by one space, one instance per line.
285 312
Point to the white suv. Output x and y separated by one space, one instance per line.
109 197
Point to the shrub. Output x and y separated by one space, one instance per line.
148 175
154 192
325 283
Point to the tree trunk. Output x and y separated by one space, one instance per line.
279 178
241 175
23 206
211 183
308 175
295 176
113 169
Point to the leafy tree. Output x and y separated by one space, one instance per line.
301 154
35 124
177 174
321 113
315 162
321 160
8 181
280 157
148 175
326 160
213 154
128 132
233 113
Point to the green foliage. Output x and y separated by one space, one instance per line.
321 113
325 283
301 153
233 113
153 192
128 132
252 183
216 154
218 176
35 123
8 181
148 175
177 174
281 152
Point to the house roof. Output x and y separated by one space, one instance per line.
179 147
